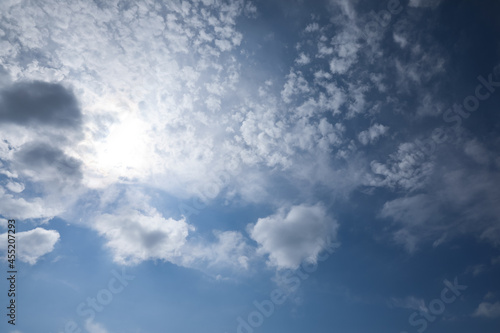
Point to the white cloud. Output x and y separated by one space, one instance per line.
139 83
135 232
93 327
290 237
33 244
134 236
303 59
345 52
168 112
401 40
13 206
312 27
15 187
164 103
296 85
372 134
488 310
408 168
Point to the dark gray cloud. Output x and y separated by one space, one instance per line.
39 103
45 159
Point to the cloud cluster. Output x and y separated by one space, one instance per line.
162 95
372 134
135 231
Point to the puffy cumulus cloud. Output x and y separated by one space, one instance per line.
11 204
290 237
487 310
134 236
15 187
372 134
33 244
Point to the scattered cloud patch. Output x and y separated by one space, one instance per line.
372 134
487 310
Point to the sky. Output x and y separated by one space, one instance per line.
248 166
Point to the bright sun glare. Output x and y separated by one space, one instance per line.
123 153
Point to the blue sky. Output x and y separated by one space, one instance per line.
251 166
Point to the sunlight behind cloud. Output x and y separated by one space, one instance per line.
125 151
